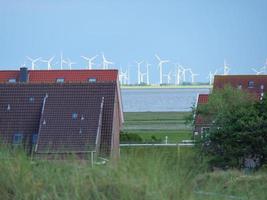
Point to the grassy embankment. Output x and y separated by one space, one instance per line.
158 124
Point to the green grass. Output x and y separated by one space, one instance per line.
158 124
143 173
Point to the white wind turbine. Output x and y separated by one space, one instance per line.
211 77
183 72
161 62
142 77
147 73
192 76
90 60
70 63
139 71
62 61
49 61
33 61
168 77
264 68
178 74
226 68
257 71
106 62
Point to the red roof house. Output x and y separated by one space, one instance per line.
255 84
61 111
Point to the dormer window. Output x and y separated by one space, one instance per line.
250 84
60 80
17 138
91 80
12 80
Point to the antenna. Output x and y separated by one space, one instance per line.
33 61
90 60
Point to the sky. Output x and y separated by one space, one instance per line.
199 34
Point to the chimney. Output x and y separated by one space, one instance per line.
23 75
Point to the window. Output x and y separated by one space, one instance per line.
250 84
74 115
17 138
91 80
12 80
262 87
60 80
34 138
239 86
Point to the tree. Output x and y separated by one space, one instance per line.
238 128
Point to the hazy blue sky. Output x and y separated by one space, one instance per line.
195 33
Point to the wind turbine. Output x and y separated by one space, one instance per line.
168 77
139 71
211 77
49 61
226 68
62 61
70 63
161 62
142 77
183 71
192 76
147 73
90 60
178 74
264 67
33 61
106 62
256 71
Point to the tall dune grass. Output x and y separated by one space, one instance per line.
144 173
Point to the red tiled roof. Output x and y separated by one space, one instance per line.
242 81
50 76
202 99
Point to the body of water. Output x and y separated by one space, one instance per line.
160 100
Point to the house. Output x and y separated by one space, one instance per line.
254 84
81 113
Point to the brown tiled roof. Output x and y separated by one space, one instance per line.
21 108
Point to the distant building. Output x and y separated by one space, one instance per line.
61 111
255 84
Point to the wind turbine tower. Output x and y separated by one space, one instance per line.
70 63
49 61
90 60
147 73
139 72
62 61
33 61
161 62
226 68
192 76
106 62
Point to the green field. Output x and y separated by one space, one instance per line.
158 124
